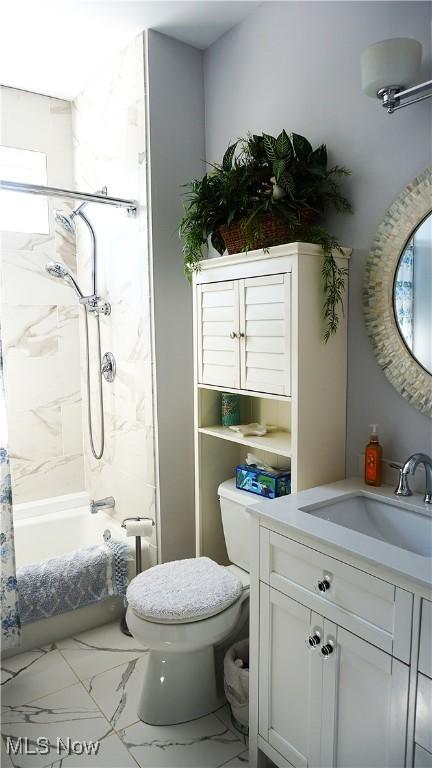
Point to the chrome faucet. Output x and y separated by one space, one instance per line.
410 467
97 504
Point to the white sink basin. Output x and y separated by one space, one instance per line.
388 521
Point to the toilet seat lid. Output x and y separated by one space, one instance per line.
183 590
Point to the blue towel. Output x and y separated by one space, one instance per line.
73 580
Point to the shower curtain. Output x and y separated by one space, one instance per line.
10 623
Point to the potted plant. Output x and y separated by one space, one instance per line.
267 191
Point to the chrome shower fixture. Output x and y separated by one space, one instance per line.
94 304
56 269
65 219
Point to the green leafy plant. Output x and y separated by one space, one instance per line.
264 179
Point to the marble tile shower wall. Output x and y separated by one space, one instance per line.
40 320
110 149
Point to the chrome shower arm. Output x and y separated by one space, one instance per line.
93 248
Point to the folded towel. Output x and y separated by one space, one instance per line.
68 582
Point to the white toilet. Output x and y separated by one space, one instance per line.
181 611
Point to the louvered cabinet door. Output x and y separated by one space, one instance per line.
218 334
265 328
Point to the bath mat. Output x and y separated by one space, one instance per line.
73 580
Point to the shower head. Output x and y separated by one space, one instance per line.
55 269
66 219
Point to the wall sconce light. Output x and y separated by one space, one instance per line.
389 67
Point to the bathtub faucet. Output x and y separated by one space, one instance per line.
97 504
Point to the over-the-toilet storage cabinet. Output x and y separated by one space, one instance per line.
258 331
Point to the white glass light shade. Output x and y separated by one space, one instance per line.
391 62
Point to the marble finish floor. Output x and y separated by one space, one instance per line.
86 688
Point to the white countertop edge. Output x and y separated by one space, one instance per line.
285 512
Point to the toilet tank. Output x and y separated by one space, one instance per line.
236 521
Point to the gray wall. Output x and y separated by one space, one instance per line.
297 65
176 148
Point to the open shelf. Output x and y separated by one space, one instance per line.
277 441
247 392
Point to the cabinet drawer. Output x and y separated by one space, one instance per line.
423 728
425 650
370 607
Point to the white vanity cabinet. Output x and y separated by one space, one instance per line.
345 709
337 680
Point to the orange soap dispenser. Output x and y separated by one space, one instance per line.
373 457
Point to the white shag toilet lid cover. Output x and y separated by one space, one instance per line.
183 590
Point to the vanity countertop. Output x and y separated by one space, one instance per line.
286 515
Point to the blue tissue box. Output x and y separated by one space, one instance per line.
263 483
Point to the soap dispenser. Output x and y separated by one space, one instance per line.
373 458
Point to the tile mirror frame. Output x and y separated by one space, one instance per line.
403 217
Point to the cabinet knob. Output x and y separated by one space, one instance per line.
241 335
313 640
233 335
324 584
327 649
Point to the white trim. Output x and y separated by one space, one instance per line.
248 392
288 249
51 505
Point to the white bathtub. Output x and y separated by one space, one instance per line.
52 527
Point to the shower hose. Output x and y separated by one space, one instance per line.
97 454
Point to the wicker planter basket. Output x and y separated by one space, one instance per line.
274 232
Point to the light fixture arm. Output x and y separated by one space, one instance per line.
393 96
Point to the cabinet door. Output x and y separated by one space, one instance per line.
217 322
425 650
265 328
423 724
290 677
365 702
422 758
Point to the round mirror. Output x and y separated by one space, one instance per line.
398 293
412 294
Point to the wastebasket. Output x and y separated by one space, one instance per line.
236 683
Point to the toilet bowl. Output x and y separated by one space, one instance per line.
184 610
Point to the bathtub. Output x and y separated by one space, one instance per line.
52 527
